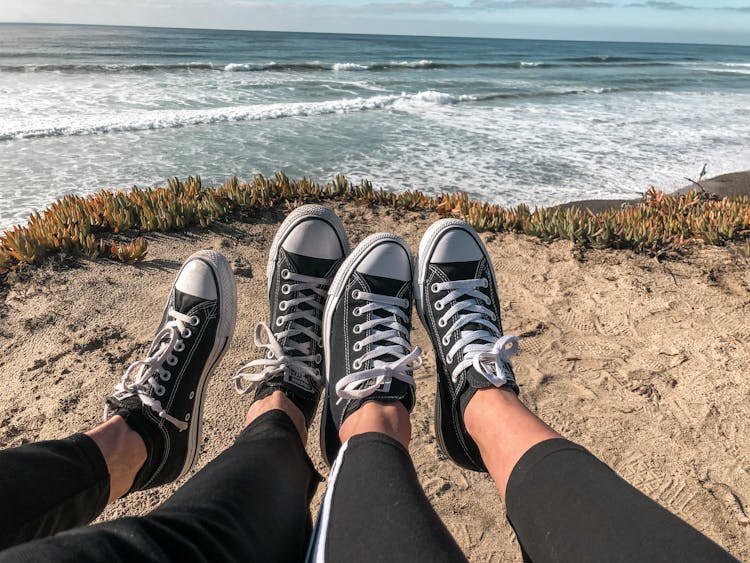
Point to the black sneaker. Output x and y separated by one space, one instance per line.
456 297
366 329
306 252
161 396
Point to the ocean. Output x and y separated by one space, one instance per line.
509 121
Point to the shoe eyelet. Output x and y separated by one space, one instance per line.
356 364
187 417
269 355
318 358
486 282
317 372
357 312
435 288
165 375
280 321
159 390
357 346
446 340
285 274
179 347
439 306
172 360
283 305
192 395
195 321
187 333
449 358
405 303
356 329
286 289
493 316
442 323
356 294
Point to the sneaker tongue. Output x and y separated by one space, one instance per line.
183 302
455 271
383 286
315 267
390 287
459 270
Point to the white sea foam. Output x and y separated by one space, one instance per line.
166 119
349 67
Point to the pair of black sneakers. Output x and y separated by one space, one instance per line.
338 320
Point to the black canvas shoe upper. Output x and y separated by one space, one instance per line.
457 300
366 330
307 251
161 396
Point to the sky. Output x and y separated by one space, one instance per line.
682 21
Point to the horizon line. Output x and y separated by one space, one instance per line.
372 34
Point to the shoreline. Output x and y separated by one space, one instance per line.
732 184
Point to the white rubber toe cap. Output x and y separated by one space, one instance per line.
387 260
457 245
314 238
196 279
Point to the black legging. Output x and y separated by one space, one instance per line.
252 504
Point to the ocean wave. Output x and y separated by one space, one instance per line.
317 66
168 119
349 66
83 67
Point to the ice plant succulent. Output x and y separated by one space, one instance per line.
93 224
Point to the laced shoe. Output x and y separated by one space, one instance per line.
161 396
305 254
456 296
366 328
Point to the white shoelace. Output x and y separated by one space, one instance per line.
144 375
278 358
485 349
388 335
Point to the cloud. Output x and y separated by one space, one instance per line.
515 4
436 6
676 6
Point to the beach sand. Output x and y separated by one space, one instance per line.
644 363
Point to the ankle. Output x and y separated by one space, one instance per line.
124 453
278 401
488 401
389 418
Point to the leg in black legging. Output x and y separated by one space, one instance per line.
375 509
250 504
566 505
49 487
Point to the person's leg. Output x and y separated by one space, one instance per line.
55 485
153 434
249 504
565 504
374 508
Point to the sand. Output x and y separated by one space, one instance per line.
644 363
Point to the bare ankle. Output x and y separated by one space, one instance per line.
124 453
278 401
487 400
391 419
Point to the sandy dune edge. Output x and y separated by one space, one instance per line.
644 363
